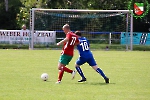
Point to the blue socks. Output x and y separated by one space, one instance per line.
101 72
98 70
80 72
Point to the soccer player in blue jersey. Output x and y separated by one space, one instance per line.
86 56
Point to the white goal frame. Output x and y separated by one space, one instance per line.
32 11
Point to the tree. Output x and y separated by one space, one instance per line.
6 5
8 16
14 13
23 17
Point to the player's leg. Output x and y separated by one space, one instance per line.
65 59
61 66
92 63
97 69
73 72
79 62
61 72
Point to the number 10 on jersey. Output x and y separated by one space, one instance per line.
84 45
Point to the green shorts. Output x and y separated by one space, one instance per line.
65 59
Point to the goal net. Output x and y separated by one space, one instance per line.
99 26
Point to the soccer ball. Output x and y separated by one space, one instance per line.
44 76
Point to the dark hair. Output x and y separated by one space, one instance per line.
78 33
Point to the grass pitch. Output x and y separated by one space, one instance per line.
20 72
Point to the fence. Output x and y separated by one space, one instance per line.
50 37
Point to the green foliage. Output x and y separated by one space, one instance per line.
24 16
8 18
18 11
21 70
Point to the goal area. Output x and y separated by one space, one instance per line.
98 26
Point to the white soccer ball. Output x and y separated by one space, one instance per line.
44 76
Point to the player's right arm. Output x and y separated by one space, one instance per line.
63 41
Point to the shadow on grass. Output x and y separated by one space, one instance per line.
47 81
87 83
102 83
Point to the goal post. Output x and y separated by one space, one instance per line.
90 22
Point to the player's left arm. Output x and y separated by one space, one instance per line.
63 41
77 42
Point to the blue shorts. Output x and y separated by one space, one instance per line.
91 61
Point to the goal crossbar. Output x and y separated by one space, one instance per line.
80 10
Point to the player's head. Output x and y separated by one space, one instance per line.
66 28
78 33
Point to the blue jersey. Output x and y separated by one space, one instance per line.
85 53
83 48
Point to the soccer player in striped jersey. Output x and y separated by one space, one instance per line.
67 52
86 56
